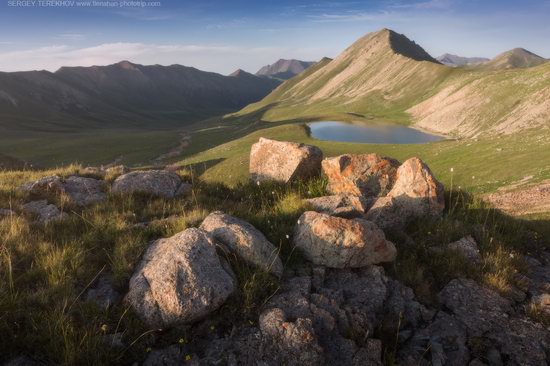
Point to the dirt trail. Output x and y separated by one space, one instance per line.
185 141
532 199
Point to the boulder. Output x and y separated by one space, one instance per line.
179 280
368 175
339 243
160 183
467 247
282 161
79 191
44 212
341 205
244 240
416 193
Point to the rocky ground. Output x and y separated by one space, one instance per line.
340 304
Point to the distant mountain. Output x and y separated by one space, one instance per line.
122 95
386 76
515 58
284 69
454 60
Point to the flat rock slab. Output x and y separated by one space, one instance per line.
161 183
341 205
368 175
179 280
282 161
44 212
341 243
79 191
243 239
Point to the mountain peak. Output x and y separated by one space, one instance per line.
127 65
240 73
284 68
454 60
516 58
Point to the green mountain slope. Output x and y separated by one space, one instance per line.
384 75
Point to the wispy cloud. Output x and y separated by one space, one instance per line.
54 56
71 36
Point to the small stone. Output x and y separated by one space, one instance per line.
467 246
44 212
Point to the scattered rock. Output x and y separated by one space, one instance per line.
416 193
339 243
170 356
477 322
79 191
179 280
103 293
84 191
341 205
153 182
467 246
283 161
369 175
44 212
538 285
243 239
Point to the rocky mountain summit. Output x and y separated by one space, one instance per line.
339 304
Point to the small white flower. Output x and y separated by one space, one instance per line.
258 183
287 236
473 177
298 222
452 170
511 255
273 193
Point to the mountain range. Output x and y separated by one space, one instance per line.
386 76
122 95
284 69
454 60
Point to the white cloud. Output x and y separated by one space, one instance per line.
219 58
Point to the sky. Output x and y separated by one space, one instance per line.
223 36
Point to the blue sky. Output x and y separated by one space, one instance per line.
222 36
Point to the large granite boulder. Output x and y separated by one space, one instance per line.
179 280
341 243
282 161
368 175
161 183
341 205
244 240
416 193
79 191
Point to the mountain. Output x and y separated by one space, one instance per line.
386 76
516 58
375 74
284 69
122 95
454 60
